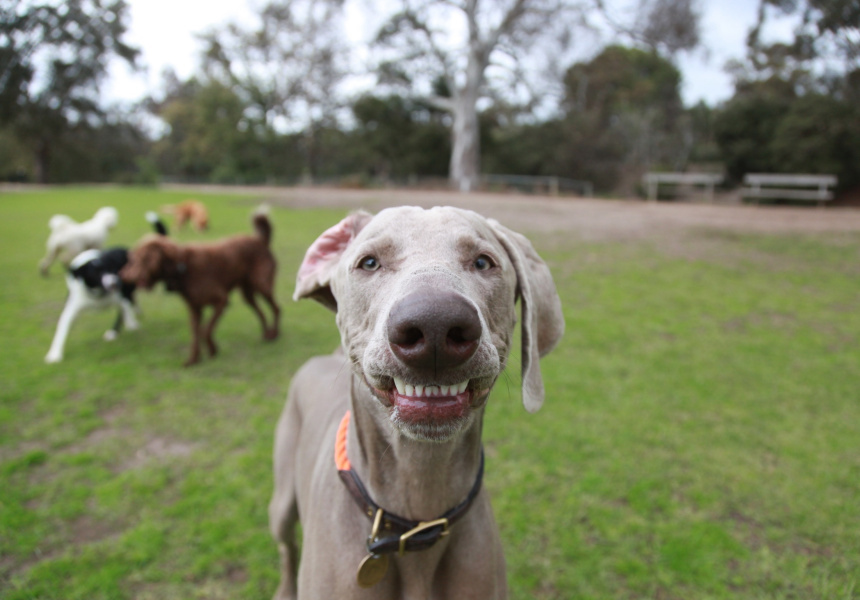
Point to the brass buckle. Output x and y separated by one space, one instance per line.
377 521
421 527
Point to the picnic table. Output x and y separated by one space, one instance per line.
789 187
709 180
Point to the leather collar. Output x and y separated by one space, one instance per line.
392 533
174 277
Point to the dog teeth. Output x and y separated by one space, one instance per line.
428 391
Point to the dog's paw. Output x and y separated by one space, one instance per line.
132 325
110 335
52 358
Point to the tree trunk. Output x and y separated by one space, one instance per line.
42 161
465 167
309 172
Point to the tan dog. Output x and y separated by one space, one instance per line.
188 211
205 274
425 303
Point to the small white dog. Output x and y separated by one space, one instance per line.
69 238
93 282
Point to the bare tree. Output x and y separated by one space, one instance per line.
288 68
470 50
664 26
827 30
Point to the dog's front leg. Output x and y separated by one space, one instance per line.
283 508
73 306
195 314
128 317
49 259
112 333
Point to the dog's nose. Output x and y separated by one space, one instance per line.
433 329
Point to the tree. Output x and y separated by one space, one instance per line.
813 133
287 70
826 29
107 152
498 40
506 47
209 136
399 137
15 161
664 26
627 102
819 134
53 55
788 113
744 130
821 58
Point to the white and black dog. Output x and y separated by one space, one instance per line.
93 282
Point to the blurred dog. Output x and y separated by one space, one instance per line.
93 281
205 274
188 211
157 224
69 238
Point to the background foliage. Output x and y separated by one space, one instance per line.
265 105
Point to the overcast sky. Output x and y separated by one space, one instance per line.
165 31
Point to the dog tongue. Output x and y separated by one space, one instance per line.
433 408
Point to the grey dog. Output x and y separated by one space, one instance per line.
378 450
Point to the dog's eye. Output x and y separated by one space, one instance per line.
369 263
483 263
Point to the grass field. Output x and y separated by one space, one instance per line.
700 439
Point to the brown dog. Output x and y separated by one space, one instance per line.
204 274
188 211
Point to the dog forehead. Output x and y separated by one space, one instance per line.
429 229
147 243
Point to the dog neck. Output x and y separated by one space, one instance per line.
416 479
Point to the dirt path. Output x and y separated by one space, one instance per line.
583 217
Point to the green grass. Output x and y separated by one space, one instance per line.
700 438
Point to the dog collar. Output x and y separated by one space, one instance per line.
174 281
414 535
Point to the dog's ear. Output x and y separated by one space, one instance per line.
321 259
542 319
170 250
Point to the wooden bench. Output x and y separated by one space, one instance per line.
791 187
709 180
